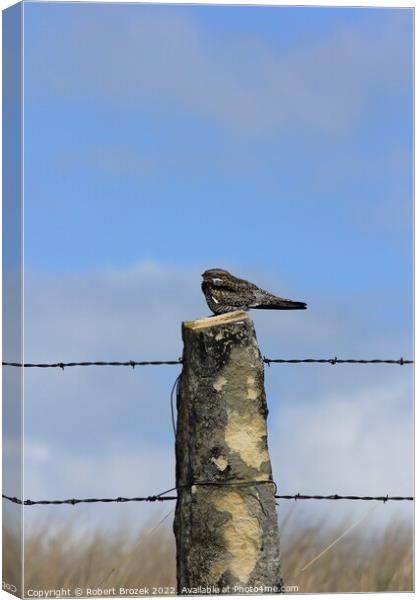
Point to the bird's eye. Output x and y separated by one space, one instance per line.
217 281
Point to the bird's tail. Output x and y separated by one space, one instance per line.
274 302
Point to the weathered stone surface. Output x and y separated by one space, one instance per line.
227 533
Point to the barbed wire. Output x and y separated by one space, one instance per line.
338 497
113 363
87 500
145 363
163 496
338 361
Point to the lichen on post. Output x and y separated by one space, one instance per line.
225 523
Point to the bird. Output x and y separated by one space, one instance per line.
226 293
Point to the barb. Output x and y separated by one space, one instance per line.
162 497
146 363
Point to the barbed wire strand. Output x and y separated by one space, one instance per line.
98 363
145 363
338 361
163 496
386 498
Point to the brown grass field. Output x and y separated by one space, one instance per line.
358 563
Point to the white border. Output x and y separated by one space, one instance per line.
321 3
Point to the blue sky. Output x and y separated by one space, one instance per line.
164 133
161 140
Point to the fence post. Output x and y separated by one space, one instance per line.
225 525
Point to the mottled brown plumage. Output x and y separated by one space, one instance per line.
225 293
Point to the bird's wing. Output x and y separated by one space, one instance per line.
241 285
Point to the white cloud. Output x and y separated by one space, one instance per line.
357 442
354 440
146 471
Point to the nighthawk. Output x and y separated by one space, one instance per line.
225 293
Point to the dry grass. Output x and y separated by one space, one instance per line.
357 563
